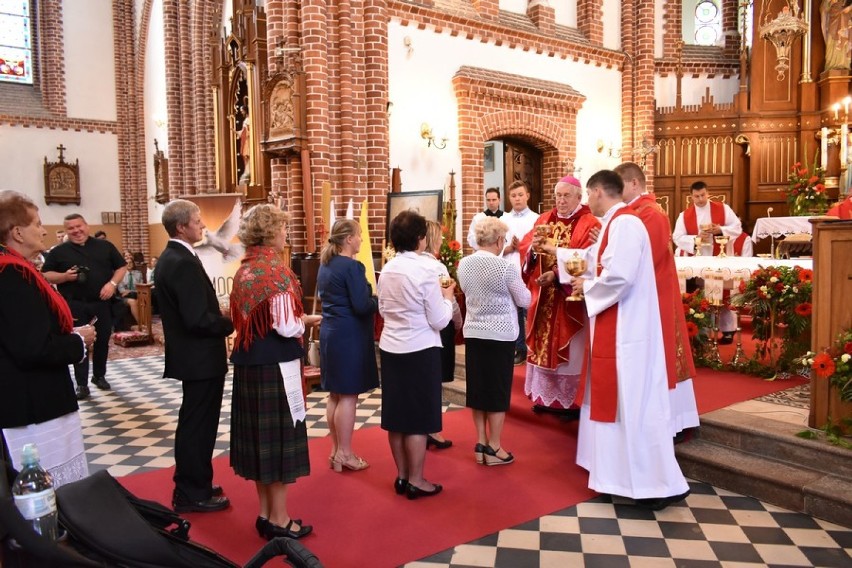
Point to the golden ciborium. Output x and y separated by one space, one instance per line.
698 243
722 241
576 266
542 236
445 281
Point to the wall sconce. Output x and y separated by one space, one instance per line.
603 147
426 134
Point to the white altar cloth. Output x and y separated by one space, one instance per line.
780 227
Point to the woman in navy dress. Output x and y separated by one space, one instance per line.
347 349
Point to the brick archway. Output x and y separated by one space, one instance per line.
492 105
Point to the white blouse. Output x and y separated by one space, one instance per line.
411 304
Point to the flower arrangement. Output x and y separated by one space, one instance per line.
696 308
806 193
451 249
835 366
779 298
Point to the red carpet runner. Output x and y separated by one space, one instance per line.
360 522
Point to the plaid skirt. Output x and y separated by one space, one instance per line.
265 446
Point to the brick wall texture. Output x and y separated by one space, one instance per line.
344 53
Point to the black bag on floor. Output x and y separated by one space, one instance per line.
107 523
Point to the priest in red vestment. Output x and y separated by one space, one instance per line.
842 209
555 329
680 367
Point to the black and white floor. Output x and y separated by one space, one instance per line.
130 428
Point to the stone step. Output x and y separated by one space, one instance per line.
774 439
764 459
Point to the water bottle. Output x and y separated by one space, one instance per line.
33 493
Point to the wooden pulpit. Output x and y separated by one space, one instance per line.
832 309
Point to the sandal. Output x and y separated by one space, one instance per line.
351 462
491 457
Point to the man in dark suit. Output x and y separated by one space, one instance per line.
195 332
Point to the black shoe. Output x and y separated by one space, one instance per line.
101 383
491 457
414 492
274 531
520 358
216 503
83 392
727 338
260 525
570 414
662 502
479 453
430 441
400 485
216 491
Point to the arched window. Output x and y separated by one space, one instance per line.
708 23
15 42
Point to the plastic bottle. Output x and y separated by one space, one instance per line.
34 495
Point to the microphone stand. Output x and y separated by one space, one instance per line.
769 211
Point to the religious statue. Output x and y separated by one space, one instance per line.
835 20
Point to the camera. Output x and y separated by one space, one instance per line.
82 273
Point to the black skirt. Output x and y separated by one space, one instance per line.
448 353
265 446
489 366
411 391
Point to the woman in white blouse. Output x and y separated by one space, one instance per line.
493 291
415 308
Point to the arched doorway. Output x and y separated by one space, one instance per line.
507 160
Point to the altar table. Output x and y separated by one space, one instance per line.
730 269
777 227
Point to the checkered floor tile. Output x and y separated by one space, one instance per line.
130 429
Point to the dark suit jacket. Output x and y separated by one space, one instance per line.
35 385
193 326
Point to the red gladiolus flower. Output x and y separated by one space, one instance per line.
804 309
803 172
823 366
847 348
813 180
806 275
742 286
794 192
819 188
691 329
455 246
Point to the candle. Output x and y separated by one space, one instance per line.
823 148
846 101
844 135
836 108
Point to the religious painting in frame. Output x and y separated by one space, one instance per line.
62 180
488 157
427 203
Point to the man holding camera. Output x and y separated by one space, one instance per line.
86 271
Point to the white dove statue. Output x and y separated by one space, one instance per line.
217 250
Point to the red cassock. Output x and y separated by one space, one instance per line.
679 363
551 321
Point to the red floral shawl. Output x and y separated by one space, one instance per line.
261 276
56 303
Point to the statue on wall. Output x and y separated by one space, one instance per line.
835 20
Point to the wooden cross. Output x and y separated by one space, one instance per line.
61 149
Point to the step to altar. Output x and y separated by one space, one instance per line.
763 458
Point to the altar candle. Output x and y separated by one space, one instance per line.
823 148
844 134
836 108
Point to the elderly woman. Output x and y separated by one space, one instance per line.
38 341
493 291
415 309
448 334
347 348
269 441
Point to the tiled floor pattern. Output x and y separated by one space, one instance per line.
130 428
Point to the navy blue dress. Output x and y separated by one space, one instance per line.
347 347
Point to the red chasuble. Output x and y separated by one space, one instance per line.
551 321
679 363
690 220
842 209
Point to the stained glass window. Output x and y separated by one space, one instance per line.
708 22
15 42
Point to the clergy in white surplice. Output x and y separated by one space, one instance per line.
625 439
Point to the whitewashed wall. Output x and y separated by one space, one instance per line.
693 89
89 60
421 90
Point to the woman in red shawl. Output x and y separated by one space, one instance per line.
269 440
38 341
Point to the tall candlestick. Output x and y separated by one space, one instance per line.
846 102
844 135
823 148
836 108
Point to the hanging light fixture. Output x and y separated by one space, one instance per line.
782 32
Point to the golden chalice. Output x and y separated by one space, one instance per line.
722 241
699 242
542 232
576 266
445 281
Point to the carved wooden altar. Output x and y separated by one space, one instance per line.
239 71
61 180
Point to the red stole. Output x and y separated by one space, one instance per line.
679 363
842 209
738 244
717 216
604 369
